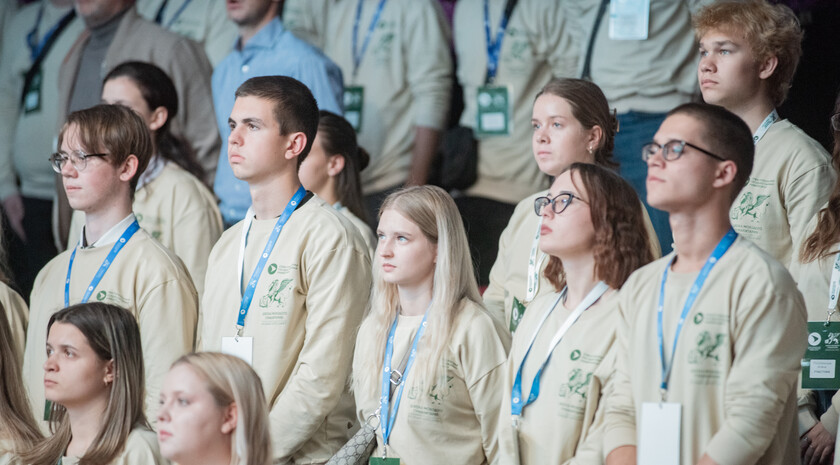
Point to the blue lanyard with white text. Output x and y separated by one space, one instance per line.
126 235
386 419
36 46
248 292
494 47
358 54
716 255
517 403
765 125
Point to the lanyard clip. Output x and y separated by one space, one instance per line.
396 377
515 422
829 314
239 329
663 393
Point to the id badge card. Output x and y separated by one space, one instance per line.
384 461
32 99
517 309
354 99
822 356
494 110
242 347
659 438
629 19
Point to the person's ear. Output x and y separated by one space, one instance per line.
593 139
129 168
158 119
335 165
109 372
230 418
725 173
768 66
295 146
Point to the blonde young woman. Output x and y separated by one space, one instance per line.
94 381
428 333
562 355
819 411
213 412
332 171
572 123
18 430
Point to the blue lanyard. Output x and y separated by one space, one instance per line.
389 420
720 249
517 403
358 54
159 18
494 48
248 293
36 46
126 235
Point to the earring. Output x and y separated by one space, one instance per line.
591 150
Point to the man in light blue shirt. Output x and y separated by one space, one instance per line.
264 48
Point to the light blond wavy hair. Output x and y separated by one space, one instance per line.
230 380
435 213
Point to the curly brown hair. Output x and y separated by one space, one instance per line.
827 233
621 239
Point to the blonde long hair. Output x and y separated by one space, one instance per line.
231 380
17 425
113 334
435 213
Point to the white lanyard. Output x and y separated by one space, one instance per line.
834 286
765 125
534 266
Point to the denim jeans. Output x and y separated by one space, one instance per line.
635 130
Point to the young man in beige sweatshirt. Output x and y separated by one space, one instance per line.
748 55
103 151
714 332
286 288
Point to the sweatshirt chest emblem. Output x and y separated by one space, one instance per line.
577 384
707 346
277 295
753 200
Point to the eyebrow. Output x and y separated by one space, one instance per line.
61 346
720 43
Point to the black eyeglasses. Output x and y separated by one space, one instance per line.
77 159
673 150
559 203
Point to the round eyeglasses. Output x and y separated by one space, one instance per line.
673 150
559 203
77 159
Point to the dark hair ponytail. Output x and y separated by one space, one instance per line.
338 138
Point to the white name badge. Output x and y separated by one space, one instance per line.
629 19
242 347
659 438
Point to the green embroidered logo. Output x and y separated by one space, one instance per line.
100 296
698 318
707 346
273 299
748 205
577 385
575 355
272 268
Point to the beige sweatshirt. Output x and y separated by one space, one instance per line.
364 229
670 51
565 425
509 275
538 45
27 139
141 448
813 280
455 423
308 303
17 313
180 212
791 179
147 279
406 73
735 366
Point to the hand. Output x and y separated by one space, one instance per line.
817 446
624 455
706 460
13 207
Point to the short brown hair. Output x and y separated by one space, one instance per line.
295 109
590 108
727 135
114 129
770 30
621 238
